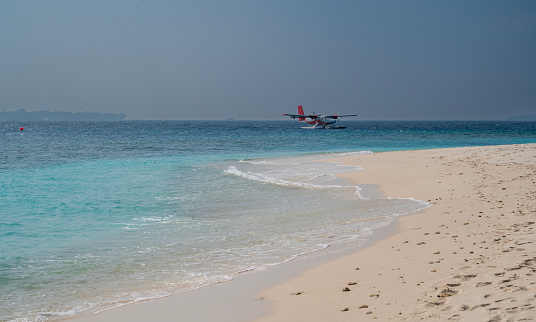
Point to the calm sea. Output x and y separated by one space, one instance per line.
94 215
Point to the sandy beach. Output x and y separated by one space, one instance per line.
471 256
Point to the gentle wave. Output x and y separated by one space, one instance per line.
282 182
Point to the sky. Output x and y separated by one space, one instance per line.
255 59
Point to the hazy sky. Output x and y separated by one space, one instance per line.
383 60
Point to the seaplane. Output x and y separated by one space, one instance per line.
318 121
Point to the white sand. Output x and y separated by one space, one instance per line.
471 256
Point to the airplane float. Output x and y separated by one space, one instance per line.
318 121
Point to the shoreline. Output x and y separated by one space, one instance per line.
237 299
395 251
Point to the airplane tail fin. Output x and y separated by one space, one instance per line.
300 112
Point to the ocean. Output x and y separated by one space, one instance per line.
95 215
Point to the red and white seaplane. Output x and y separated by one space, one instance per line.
318 121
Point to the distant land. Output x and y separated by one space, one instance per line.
23 115
522 118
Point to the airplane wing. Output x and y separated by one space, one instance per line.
301 116
337 116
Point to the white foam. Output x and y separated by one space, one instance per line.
353 153
256 162
280 182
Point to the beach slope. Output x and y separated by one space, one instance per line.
471 256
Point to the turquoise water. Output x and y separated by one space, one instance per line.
94 215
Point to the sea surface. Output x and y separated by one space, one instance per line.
94 215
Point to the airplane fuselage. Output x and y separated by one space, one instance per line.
320 121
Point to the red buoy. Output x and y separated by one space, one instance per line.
21 128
